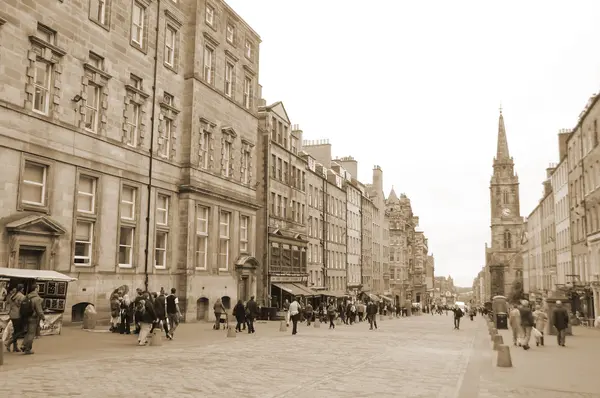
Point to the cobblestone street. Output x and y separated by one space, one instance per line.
419 356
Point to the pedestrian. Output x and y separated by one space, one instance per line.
173 312
218 309
540 320
160 309
137 316
526 323
31 314
239 312
286 308
115 312
14 299
372 314
308 311
560 319
458 313
126 315
514 319
331 315
295 315
146 316
251 313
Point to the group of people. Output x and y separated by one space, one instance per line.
244 314
148 311
523 321
25 313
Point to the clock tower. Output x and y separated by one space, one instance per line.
503 258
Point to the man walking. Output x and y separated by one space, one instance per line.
526 323
514 319
173 312
372 315
458 313
31 313
308 311
295 315
560 319
14 299
218 309
251 312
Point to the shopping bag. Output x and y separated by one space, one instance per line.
7 334
536 333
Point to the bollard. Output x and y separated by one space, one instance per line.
498 341
231 332
381 318
282 326
338 321
317 324
156 339
2 352
503 360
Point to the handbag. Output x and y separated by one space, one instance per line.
536 333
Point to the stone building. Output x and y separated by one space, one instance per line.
445 287
560 187
548 236
503 257
380 234
584 192
368 212
419 283
429 275
128 147
282 227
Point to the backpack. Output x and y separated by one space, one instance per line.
26 309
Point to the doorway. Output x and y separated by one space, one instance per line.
244 289
30 257
202 309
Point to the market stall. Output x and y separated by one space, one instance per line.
52 289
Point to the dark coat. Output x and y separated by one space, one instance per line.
159 307
239 312
560 318
251 309
526 317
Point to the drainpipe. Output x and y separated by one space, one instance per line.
151 151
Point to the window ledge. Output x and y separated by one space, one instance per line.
100 24
56 50
172 68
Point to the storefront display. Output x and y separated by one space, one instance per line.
52 289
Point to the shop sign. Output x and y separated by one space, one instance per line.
51 326
275 279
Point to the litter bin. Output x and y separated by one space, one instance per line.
501 320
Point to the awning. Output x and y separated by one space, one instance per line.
386 298
308 291
373 297
291 289
44 275
332 293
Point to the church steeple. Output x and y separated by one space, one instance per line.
392 196
502 150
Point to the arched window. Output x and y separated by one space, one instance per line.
507 240
505 197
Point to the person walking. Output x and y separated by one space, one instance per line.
239 312
160 309
286 308
308 312
458 313
173 312
560 320
218 309
526 323
14 299
251 313
31 314
147 317
295 315
514 319
331 315
541 320
372 315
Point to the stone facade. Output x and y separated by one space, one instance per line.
560 187
102 161
380 234
368 211
503 257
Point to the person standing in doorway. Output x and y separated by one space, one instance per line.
560 318
295 315
31 314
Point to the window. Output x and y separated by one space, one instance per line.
126 246
86 194
247 93
208 64
248 49
229 79
41 83
201 237
160 249
204 145
170 37
167 135
138 19
132 122
226 158
244 224
210 15
34 184
46 34
230 33
128 197
92 103
99 11
507 240
96 61
246 167
162 209
84 233
224 220
135 82
168 99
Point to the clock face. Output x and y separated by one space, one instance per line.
506 212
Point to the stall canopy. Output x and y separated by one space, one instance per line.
45 275
295 290
334 293
386 298
373 297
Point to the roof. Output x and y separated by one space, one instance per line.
45 275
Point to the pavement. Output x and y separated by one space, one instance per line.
419 356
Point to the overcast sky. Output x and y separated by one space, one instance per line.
415 87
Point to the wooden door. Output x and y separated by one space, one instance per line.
30 259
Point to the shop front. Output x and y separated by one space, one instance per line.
52 289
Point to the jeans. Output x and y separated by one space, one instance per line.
18 331
32 325
526 336
295 319
250 320
372 320
240 321
561 335
173 322
145 329
457 323
331 318
515 334
217 320
309 316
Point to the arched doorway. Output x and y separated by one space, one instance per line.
202 309
77 311
246 271
226 300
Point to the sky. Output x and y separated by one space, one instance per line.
416 86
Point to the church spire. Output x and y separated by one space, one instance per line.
502 151
392 196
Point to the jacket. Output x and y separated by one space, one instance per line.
514 318
239 312
251 309
149 315
36 303
159 307
526 317
541 319
560 318
14 305
219 308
